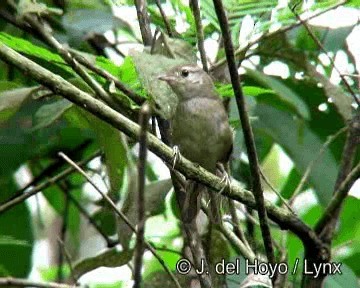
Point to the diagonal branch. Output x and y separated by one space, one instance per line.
247 130
121 215
194 5
144 21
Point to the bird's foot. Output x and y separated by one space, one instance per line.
176 155
226 180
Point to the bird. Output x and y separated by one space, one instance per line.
199 127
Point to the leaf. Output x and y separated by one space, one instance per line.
155 194
149 68
347 278
49 113
109 258
114 146
42 56
284 93
15 224
301 144
12 99
81 23
26 47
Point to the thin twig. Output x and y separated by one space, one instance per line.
236 223
194 5
110 243
267 181
247 130
62 175
139 246
315 160
17 282
68 260
337 199
49 170
138 99
144 21
241 247
242 50
120 214
62 237
165 19
66 55
321 46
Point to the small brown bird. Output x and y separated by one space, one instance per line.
200 126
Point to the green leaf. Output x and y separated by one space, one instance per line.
301 144
11 99
114 146
149 67
15 224
109 258
347 278
80 23
285 94
49 113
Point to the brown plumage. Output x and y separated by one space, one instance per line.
200 126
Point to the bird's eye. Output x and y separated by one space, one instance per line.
184 73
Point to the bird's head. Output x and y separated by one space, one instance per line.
188 81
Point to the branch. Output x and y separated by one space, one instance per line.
328 221
62 175
144 21
194 5
338 198
139 247
121 215
165 19
322 48
16 282
247 130
282 217
66 55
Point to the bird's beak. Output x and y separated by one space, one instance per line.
167 78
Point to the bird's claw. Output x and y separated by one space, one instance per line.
176 155
226 180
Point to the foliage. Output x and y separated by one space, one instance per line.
292 116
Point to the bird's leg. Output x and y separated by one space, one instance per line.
225 179
176 155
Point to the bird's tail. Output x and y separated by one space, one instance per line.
192 201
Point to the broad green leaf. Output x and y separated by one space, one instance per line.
11 99
109 258
48 113
15 224
301 144
26 47
114 146
80 23
285 94
349 233
347 278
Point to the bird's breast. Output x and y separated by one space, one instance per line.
200 128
